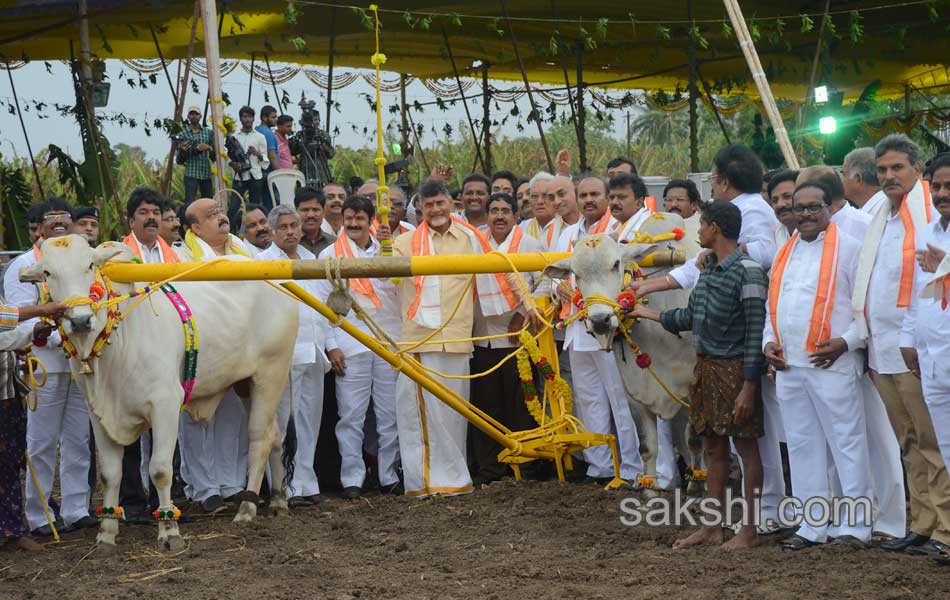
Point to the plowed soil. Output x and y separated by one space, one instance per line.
507 540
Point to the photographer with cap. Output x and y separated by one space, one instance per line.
195 144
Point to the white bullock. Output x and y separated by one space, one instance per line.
246 332
598 267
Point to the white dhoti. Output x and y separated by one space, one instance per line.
305 389
600 402
824 409
770 453
367 376
667 473
214 457
60 422
432 435
935 381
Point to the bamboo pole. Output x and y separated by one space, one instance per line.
29 147
380 267
250 83
213 59
693 92
180 98
330 66
468 114
527 87
761 82
567 80
581 111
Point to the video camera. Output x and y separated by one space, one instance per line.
312 146
237 157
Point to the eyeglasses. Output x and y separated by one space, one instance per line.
814 209
500 211
171 220
57 216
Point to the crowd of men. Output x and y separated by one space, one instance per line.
810 313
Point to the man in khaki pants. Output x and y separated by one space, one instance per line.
887 272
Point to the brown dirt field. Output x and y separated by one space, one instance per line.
507 540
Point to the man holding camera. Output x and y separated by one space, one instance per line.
249 170
312 146
194 146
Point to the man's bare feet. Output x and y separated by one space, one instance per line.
703 537
28 544
746 538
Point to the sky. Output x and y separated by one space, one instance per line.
35 84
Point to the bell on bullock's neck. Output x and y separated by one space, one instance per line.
84 367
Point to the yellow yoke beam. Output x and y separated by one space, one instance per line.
379 267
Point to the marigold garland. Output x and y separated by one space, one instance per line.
695 474
559 389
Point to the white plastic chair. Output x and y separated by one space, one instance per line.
283 185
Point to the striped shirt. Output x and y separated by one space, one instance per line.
726 311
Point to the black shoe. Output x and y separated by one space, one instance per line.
796 542
902 544
352 492
43 531
393 489
213 504
848 540
931 548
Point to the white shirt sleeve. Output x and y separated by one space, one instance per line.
17 337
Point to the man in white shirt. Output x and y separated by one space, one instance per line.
257 233
681 197
361 374
599 398
886 278
499 393
213 457
60 424
303 395
545 226
848 219
626 202
249 177
817 367
780 189
335 195
475 190
861 186
925 335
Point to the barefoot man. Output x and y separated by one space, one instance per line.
726 314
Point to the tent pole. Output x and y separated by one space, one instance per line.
468 114
567 80
527 87
161 57
761 82
693 92
402 111
811 78
180 99
29 147
712 105
418 146
85 54
270 74
330 66
213 60
250 83
486 117
581 111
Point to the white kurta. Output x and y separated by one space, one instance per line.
821 407
927 328
303 396
852 221
60 421
367 376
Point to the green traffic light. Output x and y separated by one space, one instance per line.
827 125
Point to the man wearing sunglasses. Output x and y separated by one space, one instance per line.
61 420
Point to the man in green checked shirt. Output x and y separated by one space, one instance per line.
194 152
726 314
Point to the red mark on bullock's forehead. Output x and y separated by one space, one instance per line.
62 242
593 242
